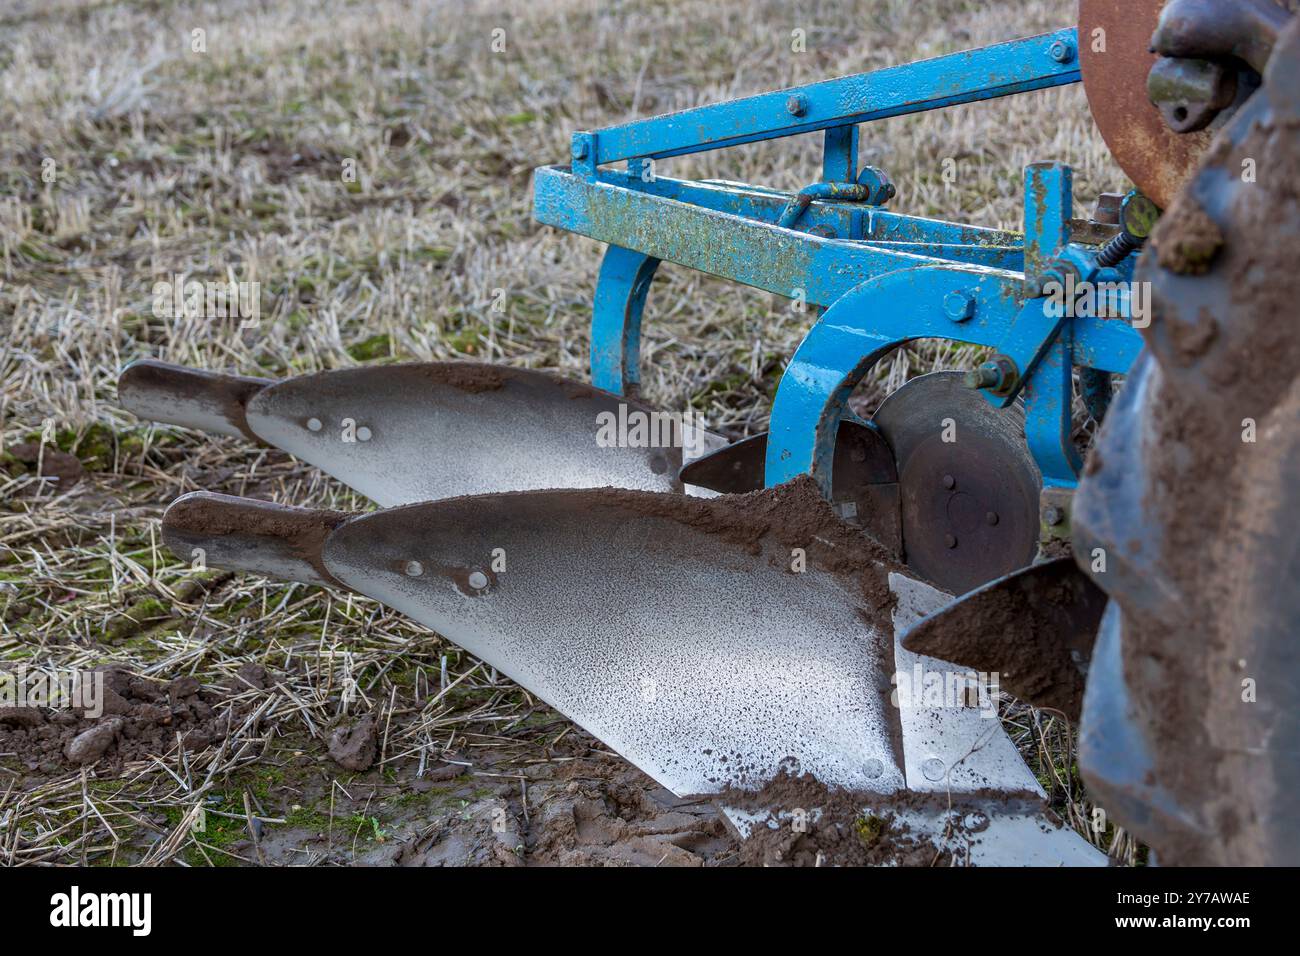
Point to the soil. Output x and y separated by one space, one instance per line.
1026 635
353 747
576 805
1187 240
66 469
472 377
141 718
835 830
794 514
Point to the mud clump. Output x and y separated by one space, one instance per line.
89 745
46 461
1029 635
134 719
1187 240
354 746
471 377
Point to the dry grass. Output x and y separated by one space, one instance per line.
228 163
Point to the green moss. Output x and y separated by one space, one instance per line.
143 614
465 340
868 828
375 347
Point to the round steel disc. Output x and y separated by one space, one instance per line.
1115 56
968 486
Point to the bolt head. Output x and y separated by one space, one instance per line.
949 541
579 149
1053 516
1138 215
958 306
1062 51
796 105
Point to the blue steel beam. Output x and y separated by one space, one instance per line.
1003 69
732 245
553 185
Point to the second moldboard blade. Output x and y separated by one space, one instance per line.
685 633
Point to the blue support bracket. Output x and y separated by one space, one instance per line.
840 155
621 288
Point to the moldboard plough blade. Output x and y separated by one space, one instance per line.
405 433
711 642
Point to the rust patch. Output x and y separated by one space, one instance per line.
1158 160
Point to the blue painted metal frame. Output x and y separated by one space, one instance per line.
883 278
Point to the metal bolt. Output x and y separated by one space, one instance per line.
999 375
797 105
478 580
949 482
579 149
1053 515
873 768
1138 215
314 425
986 376
1062 51
363 433
959 306
413 569
991 518
949 541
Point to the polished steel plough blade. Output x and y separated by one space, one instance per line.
711 642
405 433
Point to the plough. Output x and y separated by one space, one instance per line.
718 613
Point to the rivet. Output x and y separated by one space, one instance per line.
478 580
314 425
949 541
991 518
932 769
873 768
949 482
413 569
363 433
